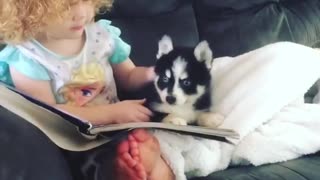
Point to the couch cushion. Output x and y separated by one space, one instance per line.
233 27
144 25
298 169
143 8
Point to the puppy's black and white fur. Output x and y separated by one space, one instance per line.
183 84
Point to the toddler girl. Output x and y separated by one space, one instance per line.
56 53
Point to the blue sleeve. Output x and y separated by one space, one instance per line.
5 73
11 56
121 49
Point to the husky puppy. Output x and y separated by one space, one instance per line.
183 84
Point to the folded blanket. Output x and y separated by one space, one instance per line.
291 133
258 93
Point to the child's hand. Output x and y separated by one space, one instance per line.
130 111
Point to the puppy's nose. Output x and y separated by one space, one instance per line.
171 99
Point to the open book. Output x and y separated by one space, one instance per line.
24 102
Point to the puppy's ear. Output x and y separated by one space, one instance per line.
203 53
165 46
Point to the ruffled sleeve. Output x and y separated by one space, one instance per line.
10 56
121 48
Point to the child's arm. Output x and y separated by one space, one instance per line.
125 111
130 77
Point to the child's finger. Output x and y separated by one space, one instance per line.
145 111
143 117
139 101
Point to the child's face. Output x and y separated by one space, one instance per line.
72 26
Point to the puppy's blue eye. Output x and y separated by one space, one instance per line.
165 79
186 82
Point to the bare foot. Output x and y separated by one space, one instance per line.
126 167
139 158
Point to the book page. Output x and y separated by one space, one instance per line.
61 132
205 132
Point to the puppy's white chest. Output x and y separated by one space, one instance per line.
186 114
186 111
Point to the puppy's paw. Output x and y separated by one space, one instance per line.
210 119
174 120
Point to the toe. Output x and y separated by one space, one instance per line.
123 147
134 152
128 159
133 144
141 171
123 172
141 135
134 148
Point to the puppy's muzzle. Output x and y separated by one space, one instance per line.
171 99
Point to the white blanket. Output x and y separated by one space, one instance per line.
260 93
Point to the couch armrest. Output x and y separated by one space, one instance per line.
26 153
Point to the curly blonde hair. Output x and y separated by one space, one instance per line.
21 20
